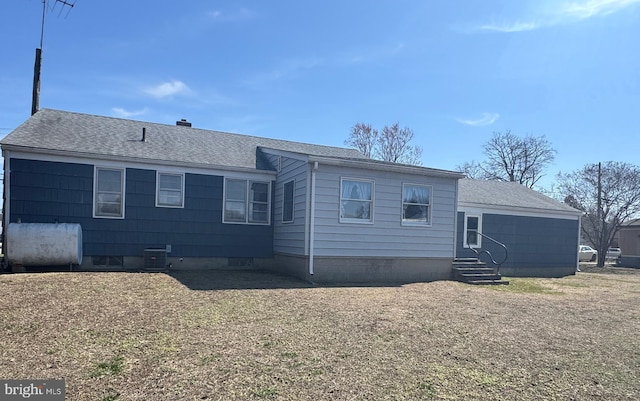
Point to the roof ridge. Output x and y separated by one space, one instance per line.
196 128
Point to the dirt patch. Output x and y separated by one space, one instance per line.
246 335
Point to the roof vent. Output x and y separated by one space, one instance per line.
183 123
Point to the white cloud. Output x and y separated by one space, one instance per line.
593 8
486 119
168 89
517 26
120 112
561 13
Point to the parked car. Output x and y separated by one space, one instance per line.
587 254
613 253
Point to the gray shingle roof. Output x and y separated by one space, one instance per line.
96 136
508 194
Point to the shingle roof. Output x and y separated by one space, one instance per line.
97 136
508 194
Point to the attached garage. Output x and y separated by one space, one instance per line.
540 234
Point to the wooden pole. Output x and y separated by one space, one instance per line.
35 98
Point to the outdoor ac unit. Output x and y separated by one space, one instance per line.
155 259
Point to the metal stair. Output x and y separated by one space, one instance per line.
474 271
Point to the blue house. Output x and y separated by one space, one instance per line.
541 235
207 199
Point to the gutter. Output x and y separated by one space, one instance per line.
386 166
92 158
312 217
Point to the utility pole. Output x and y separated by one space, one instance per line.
35 96
601 241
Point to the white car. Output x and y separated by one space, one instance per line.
613 253
587 254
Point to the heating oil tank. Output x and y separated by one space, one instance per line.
43 244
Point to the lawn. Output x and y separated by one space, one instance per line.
256 336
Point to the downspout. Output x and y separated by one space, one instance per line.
312 217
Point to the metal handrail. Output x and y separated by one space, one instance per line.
484 251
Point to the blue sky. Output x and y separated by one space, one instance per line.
452 71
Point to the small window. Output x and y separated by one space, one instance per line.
356 201
472 238
108 192
287 202
416 204
169 191
246 202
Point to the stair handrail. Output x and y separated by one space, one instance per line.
484 251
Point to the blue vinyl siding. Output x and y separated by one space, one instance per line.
533 242
46 192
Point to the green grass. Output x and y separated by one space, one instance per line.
112 367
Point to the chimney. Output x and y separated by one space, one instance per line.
183 123
144 134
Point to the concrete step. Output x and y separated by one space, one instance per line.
480 276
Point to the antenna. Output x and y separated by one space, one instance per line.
35 98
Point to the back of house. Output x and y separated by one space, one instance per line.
148 195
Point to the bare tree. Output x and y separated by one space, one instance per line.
608 194
392 144
364 138
512 158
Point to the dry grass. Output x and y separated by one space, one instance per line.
248 335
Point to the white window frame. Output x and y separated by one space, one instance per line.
293 203
413 222
247 202
466 219
123 177
370 220
158 203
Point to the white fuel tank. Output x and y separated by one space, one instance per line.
43 244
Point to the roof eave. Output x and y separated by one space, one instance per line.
398 168
137 160
521 209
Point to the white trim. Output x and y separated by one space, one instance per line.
150 165
123 186
578 253
247 201
182 189
464 231
375 165
307 204
7 197
412 223
455 220
293 202
518 211
371 212
291 155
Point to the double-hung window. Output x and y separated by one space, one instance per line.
108 192
246 202
169 189
416 204
356 201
